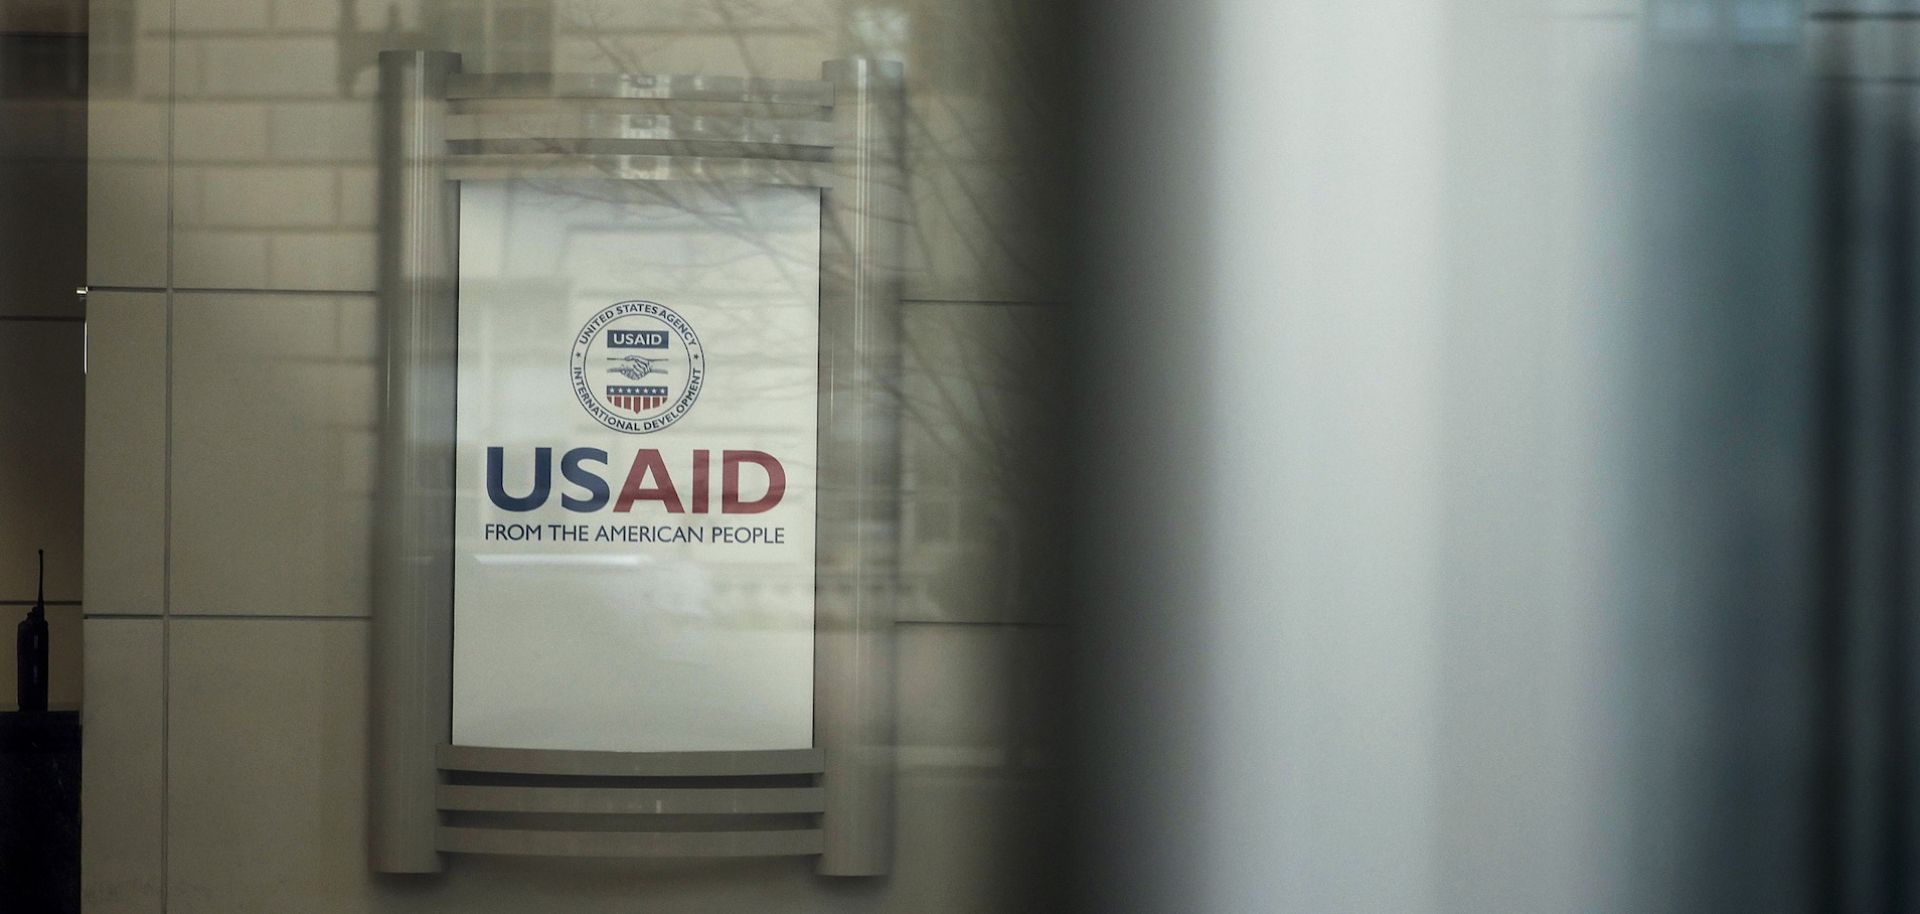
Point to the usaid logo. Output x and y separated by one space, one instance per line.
637 367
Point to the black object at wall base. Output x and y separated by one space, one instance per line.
40 811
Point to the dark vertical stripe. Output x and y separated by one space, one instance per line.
1827 834
166 496
1896 706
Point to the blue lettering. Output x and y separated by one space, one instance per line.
542 481
585 479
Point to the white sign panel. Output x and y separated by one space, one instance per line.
638 393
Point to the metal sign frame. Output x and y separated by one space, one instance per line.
834 799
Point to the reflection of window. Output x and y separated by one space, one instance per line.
43 66
110 32
523 38
501 36
881 32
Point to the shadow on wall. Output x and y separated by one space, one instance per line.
43 153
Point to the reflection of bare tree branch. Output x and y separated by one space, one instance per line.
982 392
1001 199
990 397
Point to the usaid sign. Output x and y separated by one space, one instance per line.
638 393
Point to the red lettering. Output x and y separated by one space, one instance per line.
730 502
700 482
648 460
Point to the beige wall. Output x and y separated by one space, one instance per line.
231 409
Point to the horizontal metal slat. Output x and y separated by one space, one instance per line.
631 801
685 149
605 126
630 764
696 169
629 85
787 843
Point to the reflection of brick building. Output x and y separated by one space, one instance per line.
507 36
110 39
233 190
273 186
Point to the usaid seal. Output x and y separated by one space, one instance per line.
637 367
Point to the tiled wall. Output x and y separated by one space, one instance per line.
233 399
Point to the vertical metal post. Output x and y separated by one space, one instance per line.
412 651
859 495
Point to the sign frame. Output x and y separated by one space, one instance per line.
832 800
